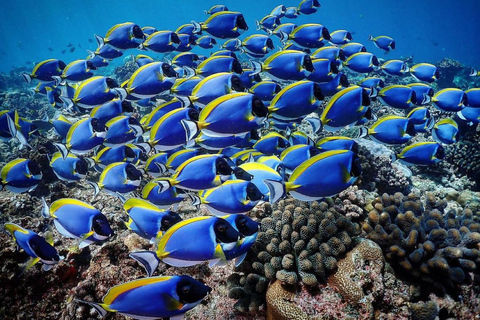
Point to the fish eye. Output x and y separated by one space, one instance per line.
259 108
111 83
363 49
317 91
237 67
132 172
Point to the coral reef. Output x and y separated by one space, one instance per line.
465 158
424 311
421 239
296 244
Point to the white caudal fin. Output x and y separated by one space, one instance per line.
45 209
197 28
195 199
276 188
17 134
95 187
256 67
162 168
473 73
102 312
91 54
100 41
426 99
283 37
148 260
57 79
257 24
121 92
189 72
362 132
191 129
27 77
62 149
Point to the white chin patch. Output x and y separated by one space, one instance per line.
134 182
228 246
100 237
101 134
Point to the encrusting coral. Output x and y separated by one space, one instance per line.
423 240
296 243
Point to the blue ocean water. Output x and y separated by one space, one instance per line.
430 30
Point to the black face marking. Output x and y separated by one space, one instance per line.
258 108
237 84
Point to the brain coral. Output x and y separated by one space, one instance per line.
297 242
423 240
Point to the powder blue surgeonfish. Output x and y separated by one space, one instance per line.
122 130
471 113
61 126
123 153
150 80
83 136
271 143
147 220
321 176
77 70
231 114
105 52
248 229
337 143
399 97
215 9
200 173
159 111
269 22
187 42
383 42
231 45
340 37
223 24
423 92
233 196
285 65
257 44
293 156
308 6
141 60
119 177
122 36
45 70
37 247
216 64
270 168
219 143
153 298
165 199
190 242
333 86
325 70
421 153
20 175
445 131
110 110
395 67
266 90
425 72
161 42
76 219
310 35
206 42
362 62
450 100
278 11
390 130
185 59
346 107
296 100
215 86
352 47
95 91
292 13
69 169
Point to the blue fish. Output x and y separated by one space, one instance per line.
450 100
337 143
248 78
419 115
95 91
285 65
148 220
77 70
219 143
216 64
395 67
83 136
257 44
163 200
248 229
231 45
423 93
122 130
151 79
300 137
124 153
45 70
398 96
370 82
445 131
284 27
321 176
271 143
79 220
223 24
61 126
325 71
216 8
308 6
295 155
69 169
148 30
296 100
346 108
310 35
178 157
185 59
232 197
161 42
141 60
187 42
154 165
118 178
122 36
340 37
421 153
279 11
332 53
291 13
213 236
265 90
37 247
206 42
105 52
185 28
383 42
109 110
362 62
159 111
153 298
338 83
269 22
425 72
351 48
391 130
243 112
20 175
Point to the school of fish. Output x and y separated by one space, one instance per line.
228 137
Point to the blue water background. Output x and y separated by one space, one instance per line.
428 29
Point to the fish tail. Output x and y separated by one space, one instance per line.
362 132
95 186
189 72
17 134
191 128
393 157
45 209
148 260
100 41
67 103
32 92
91 54
121 92
256 67
197 27
283 37
370 37
196 201
257 24
58 80
473 73
97 306
277 189
185 101
27 77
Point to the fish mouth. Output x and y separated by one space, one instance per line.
229 246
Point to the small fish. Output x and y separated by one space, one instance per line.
50 49
118 178
383 42
20 175
266 90
83 136
308 6
37 247
216 64
72 49
69 169
213 236
450 100
423 91
165 199
232 197
90 40
309 35
337 143
44 70
269 22
285 65
332 53
69 45
321 176
95 91
445 131
295 155
122 36
270 168
76 219
223 24
291 12
324 71
122 130
77 70
399 97
352 47
340 37
148 30
161 42
279 11
390 130
109 110
362 62
186 59
421 153
206 42
215 9
395 67
147 220
248 229
338 83
271 143
425 72
63 51
153 298
150 80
